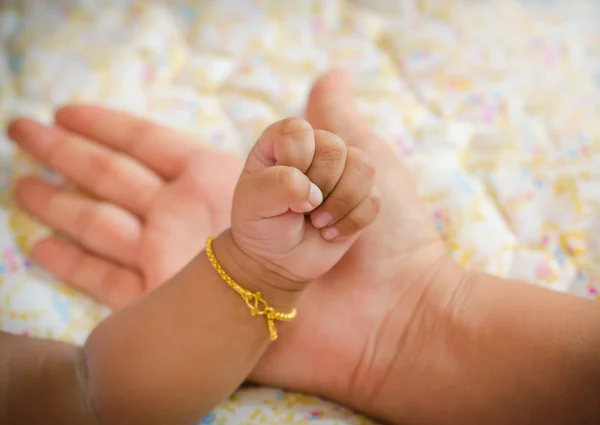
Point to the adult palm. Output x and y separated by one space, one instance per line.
156 195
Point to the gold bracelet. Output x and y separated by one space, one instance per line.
254 300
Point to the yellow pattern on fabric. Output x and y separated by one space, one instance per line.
506 157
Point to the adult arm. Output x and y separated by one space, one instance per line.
482 349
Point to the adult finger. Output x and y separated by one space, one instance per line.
111 284
163 150
331 107
101 228
108 175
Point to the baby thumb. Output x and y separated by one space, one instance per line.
274 191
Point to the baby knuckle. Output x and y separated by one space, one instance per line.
343 204
331 153
331 148
353 223
289 178
362 162
283 176
293 125
375 199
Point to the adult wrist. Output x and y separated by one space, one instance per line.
410 339
497 351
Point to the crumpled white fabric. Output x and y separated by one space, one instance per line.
499 126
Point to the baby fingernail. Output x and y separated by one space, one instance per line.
315 197
330 233
321 220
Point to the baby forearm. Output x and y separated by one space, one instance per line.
169 358
42 382
507 352
177 353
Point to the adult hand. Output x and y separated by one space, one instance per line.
156 195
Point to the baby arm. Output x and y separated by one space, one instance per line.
168 358
174 354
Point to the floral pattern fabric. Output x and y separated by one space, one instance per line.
493 104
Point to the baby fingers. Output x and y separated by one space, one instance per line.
354 202
274 191
356 220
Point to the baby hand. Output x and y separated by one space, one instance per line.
301 200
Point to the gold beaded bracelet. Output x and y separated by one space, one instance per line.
254 300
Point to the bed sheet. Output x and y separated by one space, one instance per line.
494 106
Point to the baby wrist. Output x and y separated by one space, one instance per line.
265 291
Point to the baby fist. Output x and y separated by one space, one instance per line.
301 200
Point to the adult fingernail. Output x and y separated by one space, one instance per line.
316 196
330 233
322 219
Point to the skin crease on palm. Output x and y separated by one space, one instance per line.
156 196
